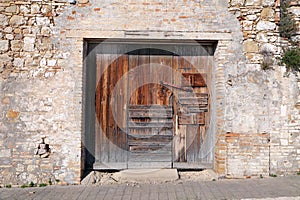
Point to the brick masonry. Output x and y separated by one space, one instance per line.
42 80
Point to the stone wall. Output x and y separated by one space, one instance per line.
37 96
268 105
42 80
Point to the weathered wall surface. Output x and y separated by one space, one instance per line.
261 103
41 67
39 96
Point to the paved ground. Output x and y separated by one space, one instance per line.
280 188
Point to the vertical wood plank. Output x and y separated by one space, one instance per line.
192 142
105 61
144 62
98 108
133 79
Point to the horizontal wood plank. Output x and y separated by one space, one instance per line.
191 118
142 125
143 138
149 148
192 94
150 114
149 107
150 157
193 109
193 101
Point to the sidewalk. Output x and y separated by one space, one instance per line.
280 188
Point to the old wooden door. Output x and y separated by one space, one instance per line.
152 109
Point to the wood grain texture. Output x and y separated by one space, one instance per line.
156 123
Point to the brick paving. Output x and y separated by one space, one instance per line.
280 188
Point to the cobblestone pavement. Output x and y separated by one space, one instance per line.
280 188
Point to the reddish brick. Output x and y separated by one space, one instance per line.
70 18
183 17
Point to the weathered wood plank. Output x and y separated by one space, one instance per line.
133 79
157 137
193 143
112 140
151 106
183 94
149 125
193 109
192 118
147 114
193 79
104 103
112 128
149 148
193 101
179 143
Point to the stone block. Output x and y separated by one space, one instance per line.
284 142
16 45
4 59
253 2
16 20
83 1
28 47
46 9
3 20
8 30
5 100
267 13
261 37
247 25
42 21
265 26
251 17
236 2
35 8
5 153
20 167
4 45
24 9
250 46
46 31
295 10
51 63
11 9
9 36
12 114
18 62
269 3
29 44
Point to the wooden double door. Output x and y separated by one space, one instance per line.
151 109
